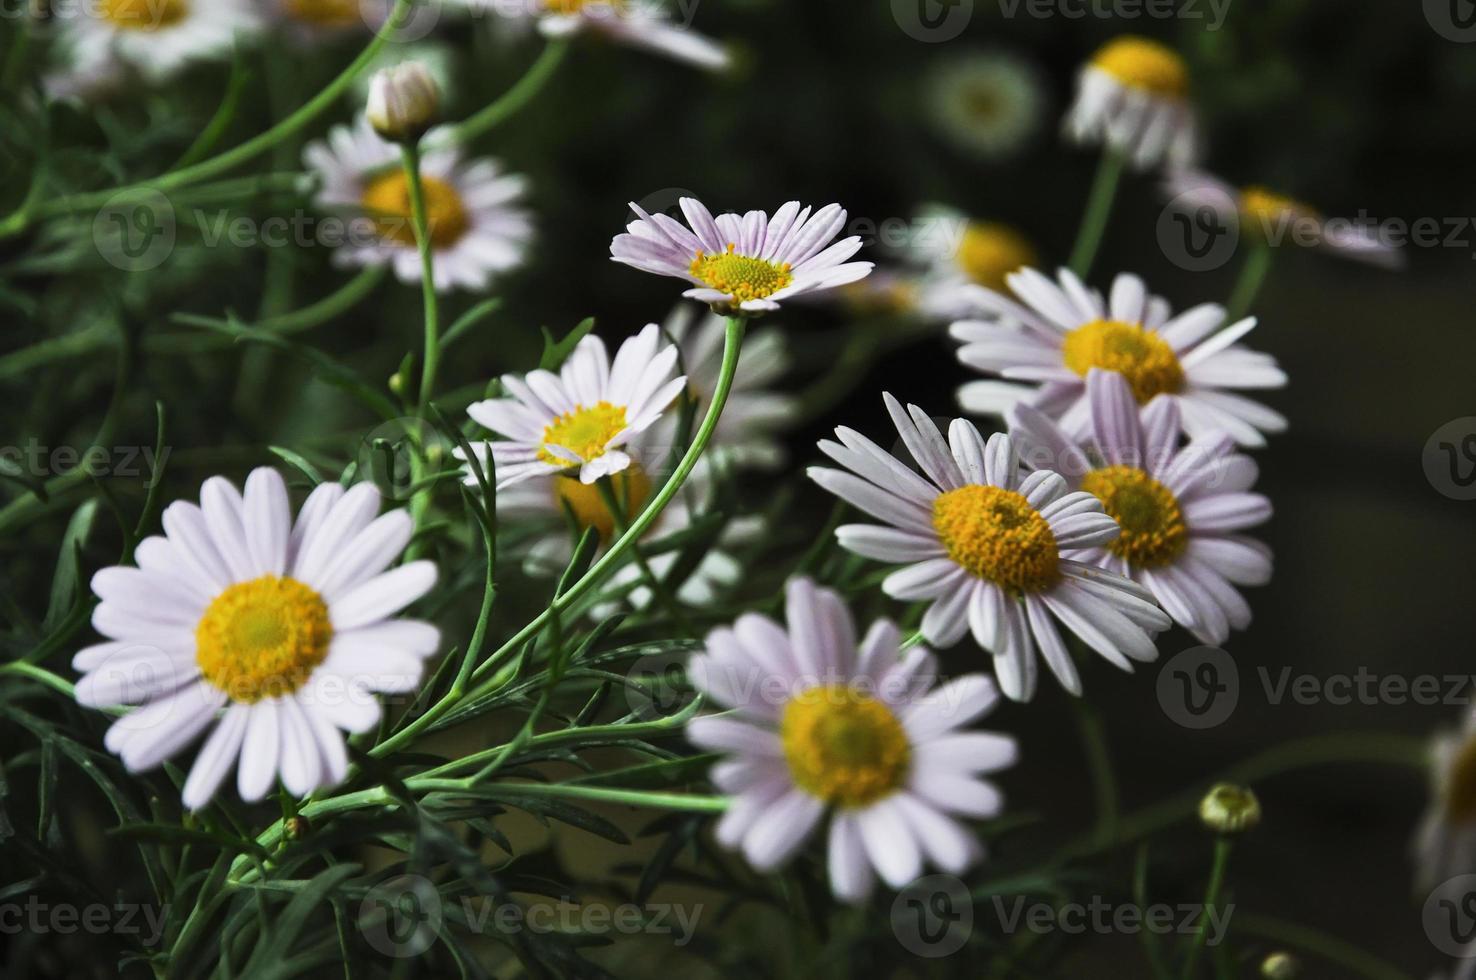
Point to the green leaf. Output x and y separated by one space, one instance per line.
555 352
65 587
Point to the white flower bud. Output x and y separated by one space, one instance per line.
404 102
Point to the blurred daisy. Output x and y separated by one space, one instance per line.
1180 509
641 24
580 420
1064 331
989 103
476 227
1134 97
312 20
285 625
1274 219
989 550
1445 845
743 263
822 724
756 411
960 255
155 37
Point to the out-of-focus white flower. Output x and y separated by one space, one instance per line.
1134 97
156 38
989 103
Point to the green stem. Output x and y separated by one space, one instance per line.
39 674
1223 845
1099 762
732 344
516 97
410 155
1098 210
233 157
1356 961
659 592
1248 285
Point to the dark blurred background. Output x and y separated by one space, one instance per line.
1353 108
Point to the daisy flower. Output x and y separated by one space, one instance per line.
743 263
959 256
822 724
1445 845
1063 331
157 38
637 23
1180 509
580 419
476 228
1274 219
989 550
1134 97
988 103
284 625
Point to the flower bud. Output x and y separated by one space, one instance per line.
1280 966
404 102
1229 809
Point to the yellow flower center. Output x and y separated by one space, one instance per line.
387 198
1264 211
844 746
145 15
584 432
1144 358
570 7
991 251
995 534
262 638
324 13
1460 786
1144 64
741 276
632 488
1153 530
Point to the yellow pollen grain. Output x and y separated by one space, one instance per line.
584 431
1144 64
262 638
741 276
844 746
145 15
387 199
991 251
1142 357
1459 802
324 13
996 535
632 488
1153 529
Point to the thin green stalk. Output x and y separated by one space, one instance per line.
686 802
1252 278
41 674
1098 210
224 113
659 591
1356 961
1099 763
1223 845
232 158
431 358
732 343
516 97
